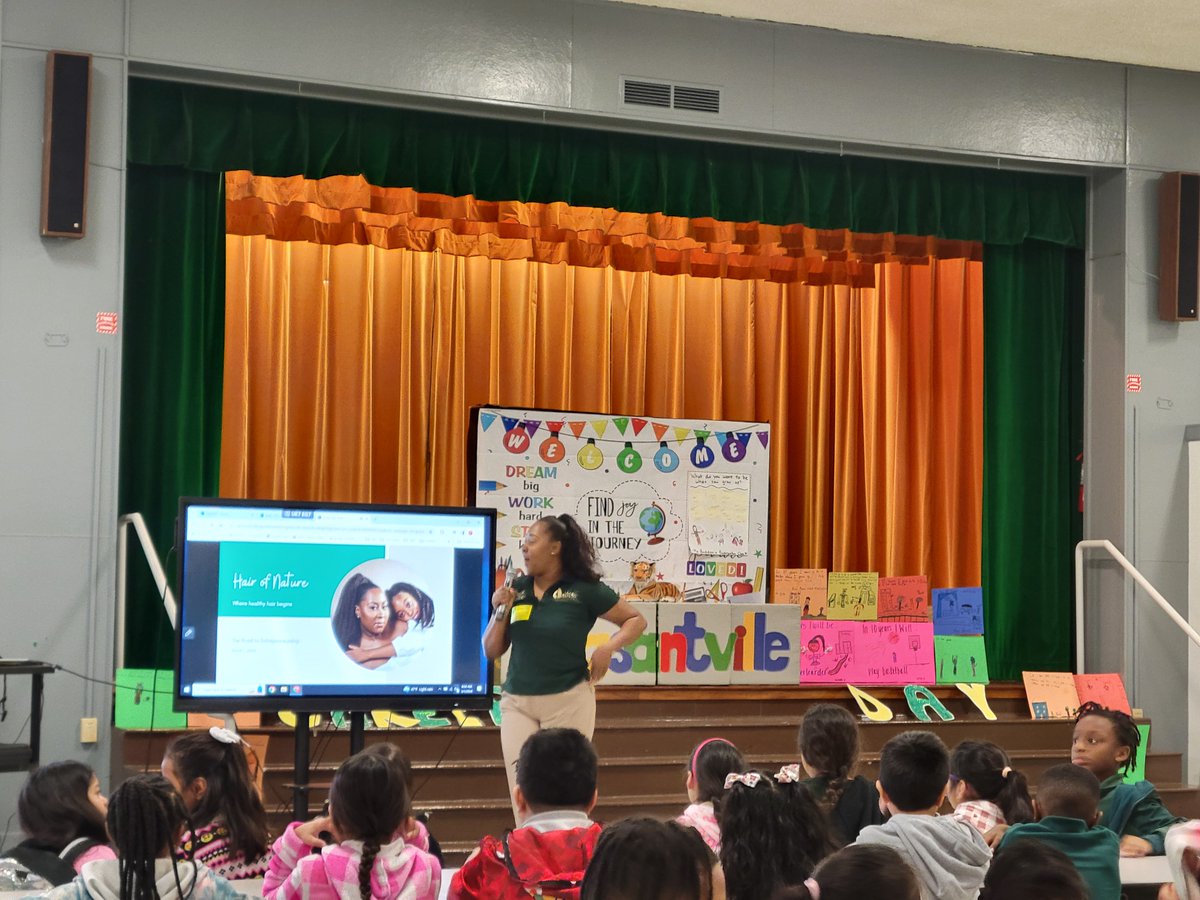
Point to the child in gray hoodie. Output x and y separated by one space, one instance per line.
145 820
949 856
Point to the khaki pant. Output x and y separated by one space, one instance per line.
523 714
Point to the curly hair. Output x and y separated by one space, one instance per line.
828 741
578 554
986 770
231 795
369 802
1029 868
770 837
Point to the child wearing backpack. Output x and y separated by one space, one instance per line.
61 811
550 848
368 809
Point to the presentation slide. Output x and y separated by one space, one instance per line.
336 602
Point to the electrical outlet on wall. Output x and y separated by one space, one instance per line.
88 731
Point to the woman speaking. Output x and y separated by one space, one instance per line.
545 616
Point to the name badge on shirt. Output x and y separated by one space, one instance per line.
520 613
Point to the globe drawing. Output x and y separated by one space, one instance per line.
652 520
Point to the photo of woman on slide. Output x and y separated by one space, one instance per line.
367 621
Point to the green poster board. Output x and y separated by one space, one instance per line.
143 700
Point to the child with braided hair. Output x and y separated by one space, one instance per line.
829 754
369 813
145 819
1106 742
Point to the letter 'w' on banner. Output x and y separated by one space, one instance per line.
873 709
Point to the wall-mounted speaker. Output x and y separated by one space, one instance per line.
1178 246
65 144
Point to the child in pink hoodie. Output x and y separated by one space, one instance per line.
368 809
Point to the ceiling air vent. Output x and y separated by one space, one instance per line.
664 95
697 99
646 93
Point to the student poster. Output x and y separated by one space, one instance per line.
676 509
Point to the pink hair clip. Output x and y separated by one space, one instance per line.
750 779
789 774
814 889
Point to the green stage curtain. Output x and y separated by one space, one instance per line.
183 137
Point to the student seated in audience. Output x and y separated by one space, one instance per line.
949 856
710 762
61 810
418 834
855 872
1106 743
226 813
645 859
554 837
773 833
368 808
1183 853
1067 807
145 819
829 753
1031 870
985 790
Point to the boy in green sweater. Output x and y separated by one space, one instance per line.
1067 808
1106 743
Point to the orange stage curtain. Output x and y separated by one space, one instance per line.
351 364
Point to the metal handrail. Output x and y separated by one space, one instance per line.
1129 567
156 570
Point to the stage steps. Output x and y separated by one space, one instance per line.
643 737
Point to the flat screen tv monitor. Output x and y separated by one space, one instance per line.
321 606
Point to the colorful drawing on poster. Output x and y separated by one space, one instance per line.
853 595
1106 689
626 480
958 610
864 653
904 598
804 588
961 659
718 513
1051 695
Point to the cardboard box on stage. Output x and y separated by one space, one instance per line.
704 643
637 663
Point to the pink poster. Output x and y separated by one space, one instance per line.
866 653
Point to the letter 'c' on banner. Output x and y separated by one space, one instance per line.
873 709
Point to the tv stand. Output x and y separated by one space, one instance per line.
300 788
22 757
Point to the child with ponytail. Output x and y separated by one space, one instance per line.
710 762
145 819
228 820
369 813
829 754
985 790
